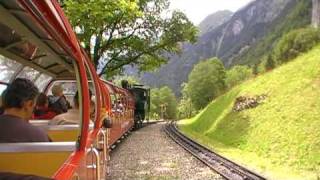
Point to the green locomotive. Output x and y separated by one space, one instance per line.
141 94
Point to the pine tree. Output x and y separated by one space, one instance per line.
255 69
270 64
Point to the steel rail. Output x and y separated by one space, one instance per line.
226 168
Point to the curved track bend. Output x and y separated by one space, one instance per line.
221 165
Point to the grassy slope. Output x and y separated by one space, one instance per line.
281 137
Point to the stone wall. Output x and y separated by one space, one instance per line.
316 13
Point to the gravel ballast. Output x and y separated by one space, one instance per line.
148 154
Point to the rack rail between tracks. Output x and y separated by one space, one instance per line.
226 168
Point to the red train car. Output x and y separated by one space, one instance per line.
38 43
122 109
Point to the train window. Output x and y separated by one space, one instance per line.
28 73
2 88
69 89
8 68
113 99
42 81
94 98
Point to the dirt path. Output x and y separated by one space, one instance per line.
148 154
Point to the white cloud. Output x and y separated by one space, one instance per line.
197 10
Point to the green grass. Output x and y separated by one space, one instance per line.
281 137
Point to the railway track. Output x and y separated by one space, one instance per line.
221 165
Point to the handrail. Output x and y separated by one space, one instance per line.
62 127
96 166
44 124
37 122
37 147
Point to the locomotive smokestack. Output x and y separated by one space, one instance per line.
125 84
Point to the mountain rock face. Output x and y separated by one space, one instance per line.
228 42
244 28
214 20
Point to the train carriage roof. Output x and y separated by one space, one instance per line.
35 40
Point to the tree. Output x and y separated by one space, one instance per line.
255 69
121 32
237 75
296 42
206 81
163 103
270 64
185 108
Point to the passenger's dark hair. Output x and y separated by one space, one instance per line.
42 99
19 91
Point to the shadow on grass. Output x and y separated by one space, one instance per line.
219 123
232 130
214 111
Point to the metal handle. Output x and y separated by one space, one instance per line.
76 176
96 165
103 143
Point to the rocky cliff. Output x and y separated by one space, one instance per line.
214 20
230 41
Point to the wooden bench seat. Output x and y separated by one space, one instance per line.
59 133
42 159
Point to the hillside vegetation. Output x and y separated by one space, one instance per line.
247 38
279 138
296 16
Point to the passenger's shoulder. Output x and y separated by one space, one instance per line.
37 131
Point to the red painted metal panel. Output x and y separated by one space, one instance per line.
50 17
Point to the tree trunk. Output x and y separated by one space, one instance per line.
96 54
316 13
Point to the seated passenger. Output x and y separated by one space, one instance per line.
92 109
42 111
120 107
71 117
18 102
58 102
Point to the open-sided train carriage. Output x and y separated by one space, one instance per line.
122 111
37 43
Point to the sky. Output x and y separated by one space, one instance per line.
197 10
